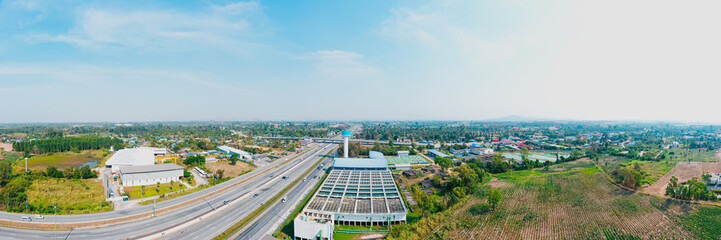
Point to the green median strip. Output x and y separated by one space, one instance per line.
282 232
236 227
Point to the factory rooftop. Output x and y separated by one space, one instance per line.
140 156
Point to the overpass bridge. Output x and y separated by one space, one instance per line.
339 141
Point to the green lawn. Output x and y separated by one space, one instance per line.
76 196
340 235
152 190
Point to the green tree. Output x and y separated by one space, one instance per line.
6 172
52 171
494 197
234 158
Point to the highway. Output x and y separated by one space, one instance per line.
273 218
244 203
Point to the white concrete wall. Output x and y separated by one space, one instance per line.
149 178
311 229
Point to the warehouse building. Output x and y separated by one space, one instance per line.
150 174
140 156
436 153
358 192
241 154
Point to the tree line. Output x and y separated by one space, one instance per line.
65 144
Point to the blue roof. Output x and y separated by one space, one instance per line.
374 154
360 163
438 153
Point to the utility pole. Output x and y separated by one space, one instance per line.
56 220
26 165
154 207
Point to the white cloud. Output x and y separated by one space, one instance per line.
221 26
342 65
444 28
84 76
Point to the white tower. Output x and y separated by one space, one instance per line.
346 135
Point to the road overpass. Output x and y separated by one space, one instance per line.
339 141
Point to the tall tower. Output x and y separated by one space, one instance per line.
346 136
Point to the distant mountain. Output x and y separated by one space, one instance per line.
514 118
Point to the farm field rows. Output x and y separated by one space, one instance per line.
572 205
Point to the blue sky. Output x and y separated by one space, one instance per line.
65 61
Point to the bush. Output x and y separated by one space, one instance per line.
480 208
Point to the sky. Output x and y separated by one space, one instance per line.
131 61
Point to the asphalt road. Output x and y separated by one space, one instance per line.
265 186
217 223
269 221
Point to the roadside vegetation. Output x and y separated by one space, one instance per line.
72 196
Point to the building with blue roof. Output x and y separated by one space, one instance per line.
436 153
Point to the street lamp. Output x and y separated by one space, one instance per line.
56 220
26 165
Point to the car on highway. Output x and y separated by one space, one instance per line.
26 218
285 177
255 195
39 217
283 200
316 176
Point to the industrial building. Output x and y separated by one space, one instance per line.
436 153
140 156
150 174
358 192
242 154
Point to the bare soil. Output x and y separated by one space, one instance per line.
229 170
684 171
6 147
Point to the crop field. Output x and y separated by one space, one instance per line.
76 196
571 205
66 159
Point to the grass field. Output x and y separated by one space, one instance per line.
65 159
152 190
75 196
568 166
652 170
693 155
579 204
10 156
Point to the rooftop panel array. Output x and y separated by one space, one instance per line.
359 192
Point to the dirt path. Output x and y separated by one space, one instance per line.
684 171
